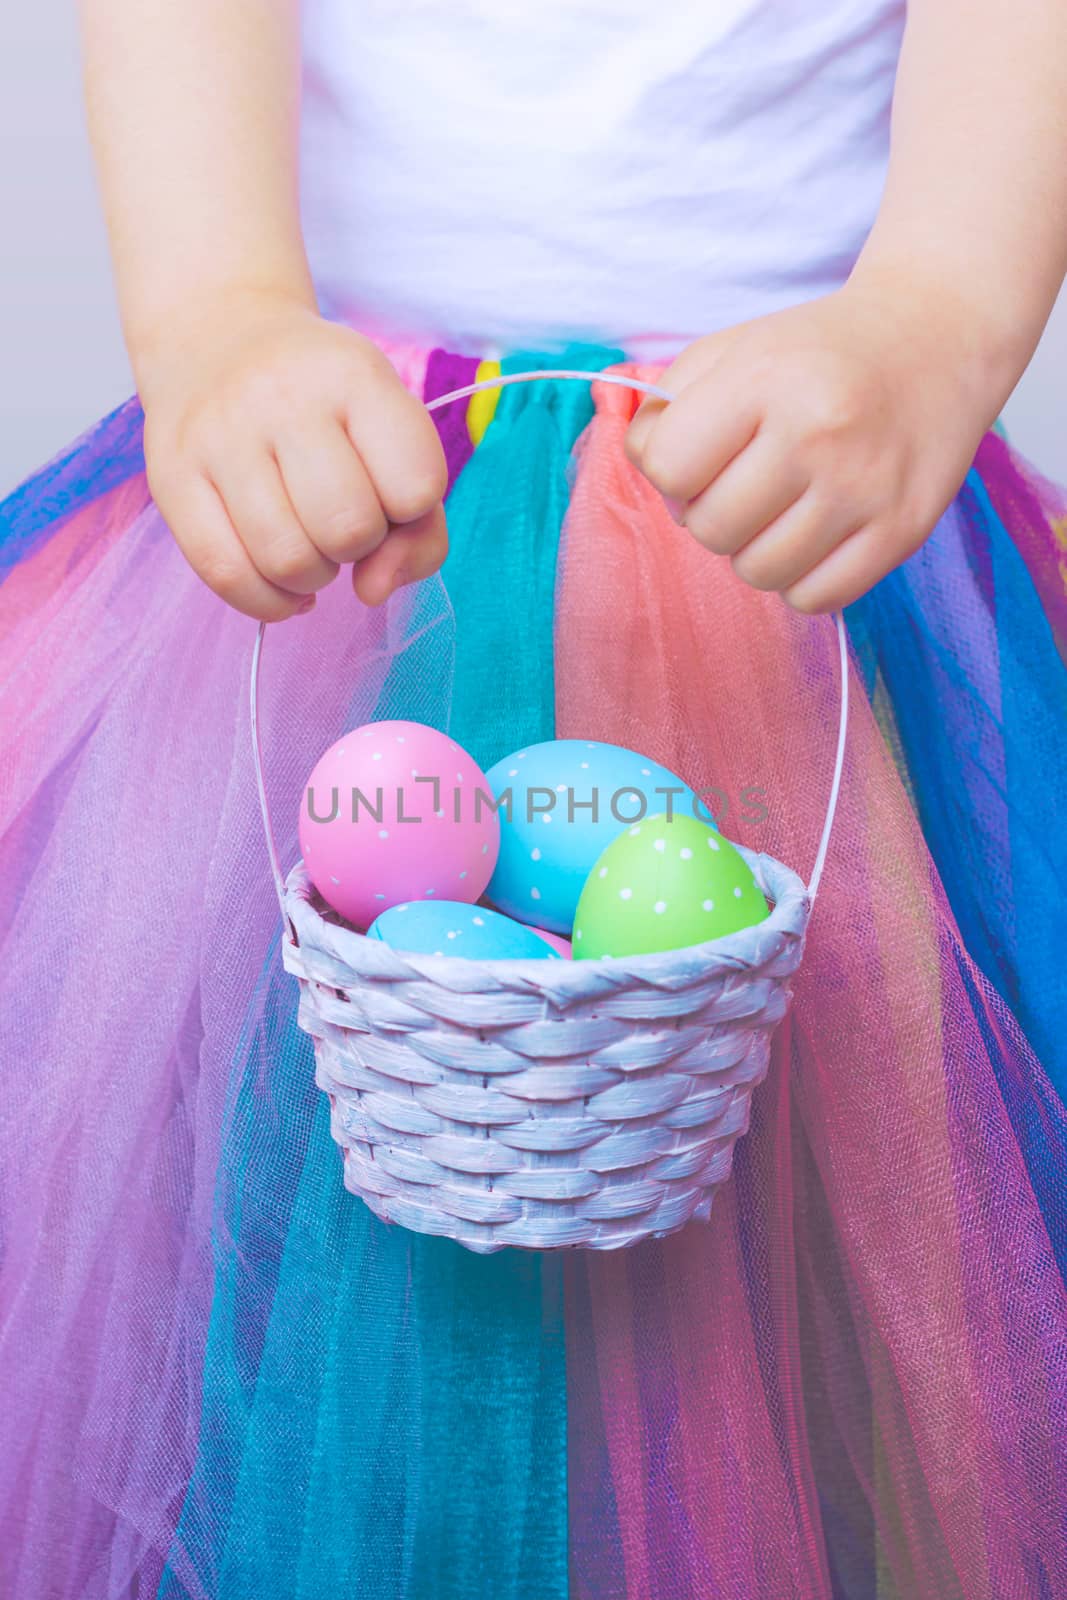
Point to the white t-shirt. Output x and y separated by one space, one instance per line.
500 174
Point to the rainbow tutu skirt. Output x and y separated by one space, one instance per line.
223 1378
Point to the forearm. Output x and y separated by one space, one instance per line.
975 206
193 112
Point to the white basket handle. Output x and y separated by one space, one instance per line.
502 382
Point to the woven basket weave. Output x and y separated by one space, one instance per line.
536 1103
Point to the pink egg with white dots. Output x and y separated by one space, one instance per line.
394 812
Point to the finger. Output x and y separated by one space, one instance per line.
698 360
751 492
853 567
255 498
208 540
409 554
398 444
646 415
805 534
331 492
696 436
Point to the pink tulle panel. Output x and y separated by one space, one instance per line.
856 1375
138 914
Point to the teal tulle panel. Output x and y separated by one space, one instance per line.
384 1415
505 516
500 1441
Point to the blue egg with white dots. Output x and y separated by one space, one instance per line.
456 928
561 804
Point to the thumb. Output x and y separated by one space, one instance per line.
409 553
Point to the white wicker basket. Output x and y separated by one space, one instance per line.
542 1104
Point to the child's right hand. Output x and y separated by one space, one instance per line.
280 447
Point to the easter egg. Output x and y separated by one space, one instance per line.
556 941
662 885
566 800
393 812
454 928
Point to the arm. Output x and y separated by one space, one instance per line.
818 447
193 116
278 446
975 205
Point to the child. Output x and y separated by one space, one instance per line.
223 1376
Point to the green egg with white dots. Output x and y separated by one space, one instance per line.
666 883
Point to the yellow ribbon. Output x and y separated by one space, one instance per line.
481 408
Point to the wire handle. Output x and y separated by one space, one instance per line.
502 382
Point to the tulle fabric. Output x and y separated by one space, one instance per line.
506 512
963 627
419 1390
227 1375
141 918
854 1380
1034 512
137 922
223 1377
103 459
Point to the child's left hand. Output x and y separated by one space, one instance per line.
819 446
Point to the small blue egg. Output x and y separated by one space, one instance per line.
550 835
455 928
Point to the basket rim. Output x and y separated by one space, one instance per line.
747 949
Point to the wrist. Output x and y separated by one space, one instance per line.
156 334
974 333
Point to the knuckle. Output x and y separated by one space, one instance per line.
756 569
711 532
361 372
221 573
422 489
359 357
352 532
811 600
288 565
834 410
273 608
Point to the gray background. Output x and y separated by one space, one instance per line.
62 363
